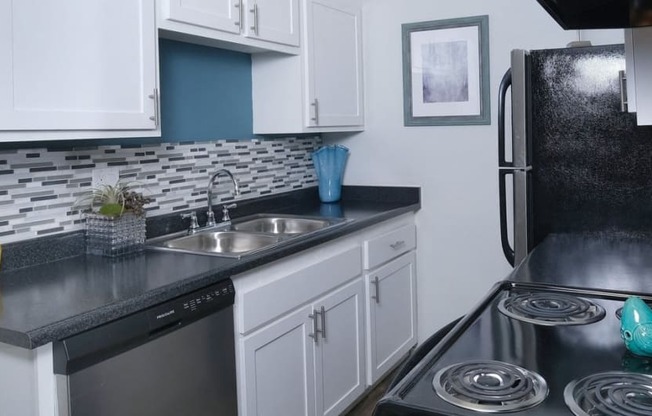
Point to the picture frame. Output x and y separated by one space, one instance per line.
446 72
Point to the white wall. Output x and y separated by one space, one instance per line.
603 37
459 254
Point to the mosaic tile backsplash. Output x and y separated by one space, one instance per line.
38 187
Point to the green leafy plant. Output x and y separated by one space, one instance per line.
114 200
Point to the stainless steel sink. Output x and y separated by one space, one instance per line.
282 225
245 236
221 242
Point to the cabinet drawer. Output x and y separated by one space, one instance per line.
378 250
265 303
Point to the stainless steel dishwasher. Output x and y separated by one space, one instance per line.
176 358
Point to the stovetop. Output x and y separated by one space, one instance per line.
559 354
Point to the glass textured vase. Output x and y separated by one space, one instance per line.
114 236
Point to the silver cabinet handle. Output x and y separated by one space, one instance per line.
154 96
622 80
315 104
323 322
315 330
397 245
254 26
376 283
238 5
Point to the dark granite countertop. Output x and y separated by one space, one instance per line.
47 302
592 261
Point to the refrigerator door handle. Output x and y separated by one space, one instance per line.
505 84
504 168
507 249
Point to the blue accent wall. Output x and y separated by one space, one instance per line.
205 93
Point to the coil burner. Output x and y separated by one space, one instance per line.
490 386
551 309
614 393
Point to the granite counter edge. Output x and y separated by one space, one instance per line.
97 317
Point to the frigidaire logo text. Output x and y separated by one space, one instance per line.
165 315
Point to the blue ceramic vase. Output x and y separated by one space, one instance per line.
636 327
329 164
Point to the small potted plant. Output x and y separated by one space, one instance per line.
115 222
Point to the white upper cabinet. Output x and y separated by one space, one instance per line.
77 68
273 21
241 25
638 52
322 89
334 72
214 14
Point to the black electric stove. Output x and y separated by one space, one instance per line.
530 349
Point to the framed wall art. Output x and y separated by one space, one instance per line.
446 72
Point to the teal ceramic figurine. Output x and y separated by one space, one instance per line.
636 327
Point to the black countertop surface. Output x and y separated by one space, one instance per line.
590 261
47 302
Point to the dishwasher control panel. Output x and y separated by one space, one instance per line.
191 307
205 297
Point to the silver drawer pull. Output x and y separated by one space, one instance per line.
376 283
397 245
315 104
323 322
622 80
238 5
254 26
156 117
315 330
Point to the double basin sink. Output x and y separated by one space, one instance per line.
245 236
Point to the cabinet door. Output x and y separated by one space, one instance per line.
391 293
334 54
221 15
77 65
639 68
278 368
339 356
273 21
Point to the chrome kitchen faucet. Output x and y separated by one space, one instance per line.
210 215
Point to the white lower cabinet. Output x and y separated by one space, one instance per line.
27 381
300 333
391 312
339 349
313 332
310 362
279 376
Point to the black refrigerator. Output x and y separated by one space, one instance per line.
574 162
